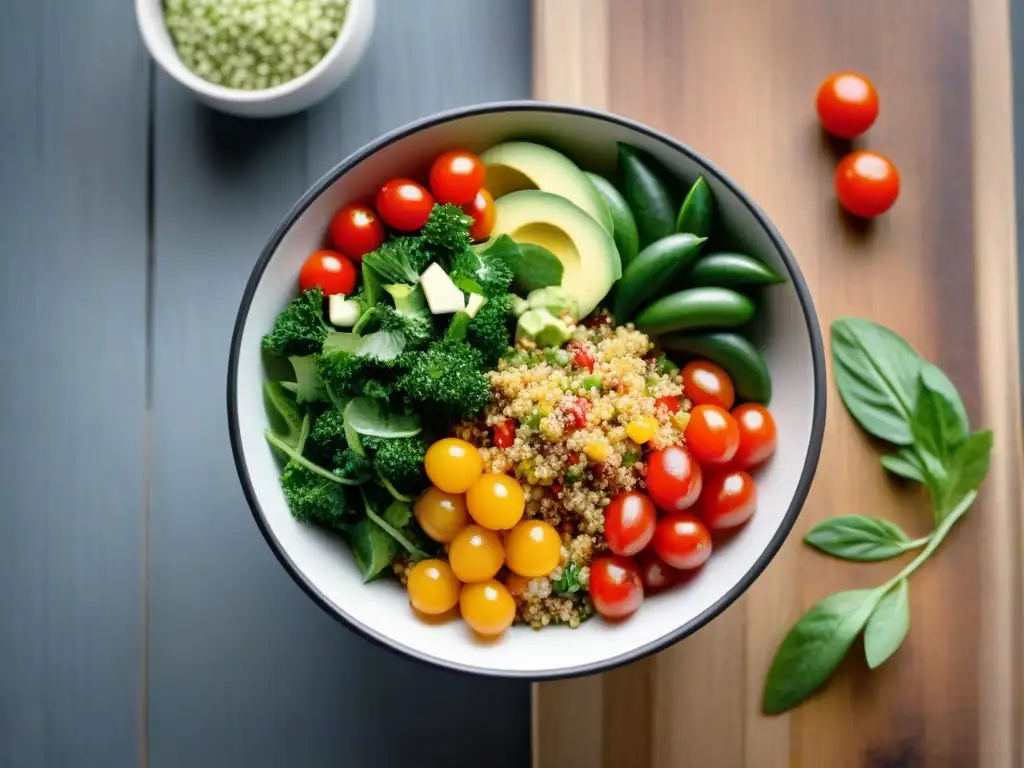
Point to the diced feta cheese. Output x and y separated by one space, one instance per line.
342 311
443 296
475 302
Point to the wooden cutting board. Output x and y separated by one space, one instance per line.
736 80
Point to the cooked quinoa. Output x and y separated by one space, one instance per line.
580 440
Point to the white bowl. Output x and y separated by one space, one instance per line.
322 564
295 95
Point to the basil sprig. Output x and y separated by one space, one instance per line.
894 395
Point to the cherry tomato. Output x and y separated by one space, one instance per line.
847 104
433 588
404 205
496 501
728 500
453 465
705 383
441 515
655 572
867 184
456 177
581 356
757 435
483 213
476 554
668 402
505 433
488 608
712 434
682 541
577 413
629 522
332 271
356 230
615 586
673 478
533 549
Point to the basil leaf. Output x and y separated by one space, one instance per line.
859 537
372 547
533 266
877 374
956 424
815 645
905 463
888 625
968 467
368 417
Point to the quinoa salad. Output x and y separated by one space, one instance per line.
522 427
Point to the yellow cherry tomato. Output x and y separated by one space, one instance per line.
433 588
453 465
496 501
533 548
441 515
476 554
488 608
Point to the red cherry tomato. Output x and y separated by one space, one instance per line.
577 413
728 500
505 433
705 383
655 573
331 271
404 205
682 541
847 104
356 230
757 435
668 402
673 478
615 586
456 177
629 522
867 184
581 356
483 213
712 434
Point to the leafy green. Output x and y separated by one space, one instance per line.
860 537
369 417
398 514
569 582
328 434
533 266
888 625
311 466
486 271
398 260
400 461
372 547
283 413
308 386
448 377
353 465
313 498
905 463
392 531
300 329
490 330
968 467
446 233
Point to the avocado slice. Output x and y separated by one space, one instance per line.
587 252
520 165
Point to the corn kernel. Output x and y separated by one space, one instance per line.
598 451
642 429
680 420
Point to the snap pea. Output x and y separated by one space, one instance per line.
654 266
695 308
734 353
697 212
624 232
732 270
647 195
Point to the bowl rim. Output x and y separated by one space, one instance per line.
684 630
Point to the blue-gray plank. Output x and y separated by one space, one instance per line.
243 668
74 90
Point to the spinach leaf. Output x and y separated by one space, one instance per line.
369 417
967 470
859 537
905 463
384 346
373 548
298 458
393 532
878 376
283 413
533 266
888 625
308 386
814 647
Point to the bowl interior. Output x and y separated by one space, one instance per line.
323 564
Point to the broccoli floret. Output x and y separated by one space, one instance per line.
400 460
446 233
348 375
327 437
489 330
313 499
415 324
399 260
351 465
300 328
449 377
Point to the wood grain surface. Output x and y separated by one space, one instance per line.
736 80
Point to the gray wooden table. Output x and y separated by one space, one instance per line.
143 620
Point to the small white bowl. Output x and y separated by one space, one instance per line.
295 95
322 564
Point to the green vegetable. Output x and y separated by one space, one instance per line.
458 327
400 461
447 379
887 388
666 367
592 381
312 498
533 419
533 266
328 433
693 309
446 233
555 299
542 327
861 538
624 232
629 458
395 533
410 318
300 329
732 270
372 547
489 330
398 514
353 464
696 215
647 195
308 386
371 287
574 474
569 582
734 353
398 260
299 459
368 417
283 413
655 266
